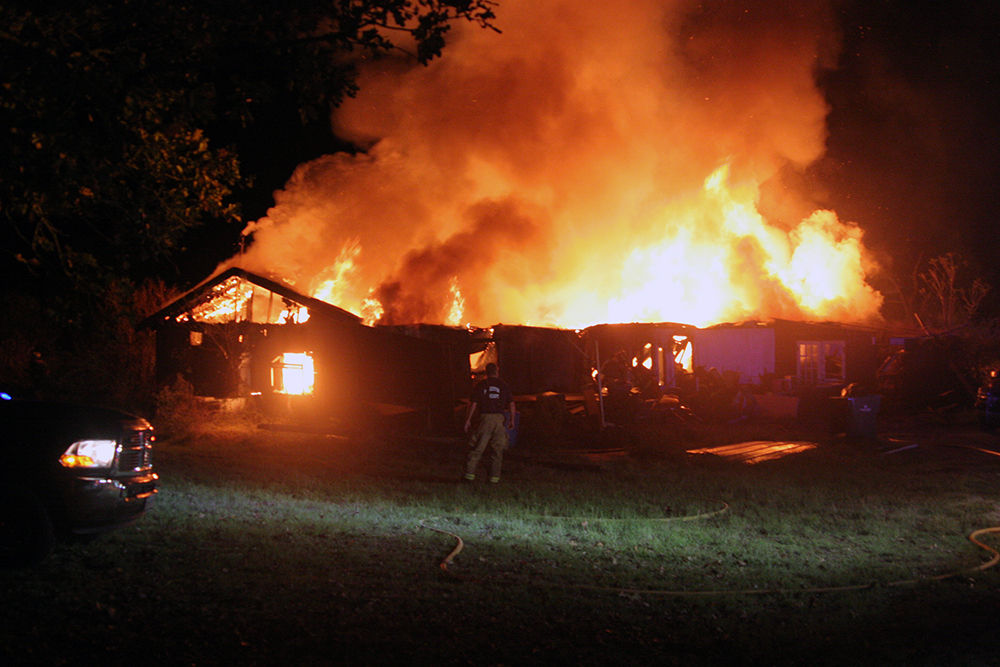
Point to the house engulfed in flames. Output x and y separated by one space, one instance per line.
798 354
242 335
239 334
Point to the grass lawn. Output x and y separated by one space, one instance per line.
269 547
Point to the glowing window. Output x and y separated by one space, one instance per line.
293 373
683 353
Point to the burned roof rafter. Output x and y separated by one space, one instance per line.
209 290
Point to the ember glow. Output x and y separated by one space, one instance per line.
593 163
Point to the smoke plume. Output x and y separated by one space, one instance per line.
594 162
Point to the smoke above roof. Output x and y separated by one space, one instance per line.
594 162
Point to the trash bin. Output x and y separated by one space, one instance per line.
862 416
512 432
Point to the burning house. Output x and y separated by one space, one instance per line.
242 335
559 371
793 367
535 360
654 353
576 177
636 164
239 334
788 355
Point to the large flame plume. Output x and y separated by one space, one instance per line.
595 162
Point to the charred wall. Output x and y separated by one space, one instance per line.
534 360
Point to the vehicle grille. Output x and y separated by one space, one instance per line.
136 452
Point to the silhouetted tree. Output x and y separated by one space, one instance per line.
123 125
120 117
948 297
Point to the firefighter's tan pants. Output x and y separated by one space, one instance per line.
489 431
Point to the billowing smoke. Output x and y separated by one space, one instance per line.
594 162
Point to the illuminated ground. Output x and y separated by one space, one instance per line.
270 548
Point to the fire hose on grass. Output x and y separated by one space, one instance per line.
973 537
459 544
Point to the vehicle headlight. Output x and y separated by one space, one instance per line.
89 454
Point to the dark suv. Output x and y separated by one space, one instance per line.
68 471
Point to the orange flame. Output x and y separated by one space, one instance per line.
718 259
567 172
370 311
721 260
293 373
335 279
226 303
457 304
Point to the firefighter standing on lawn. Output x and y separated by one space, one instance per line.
497 412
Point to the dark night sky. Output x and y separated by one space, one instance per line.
913 150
